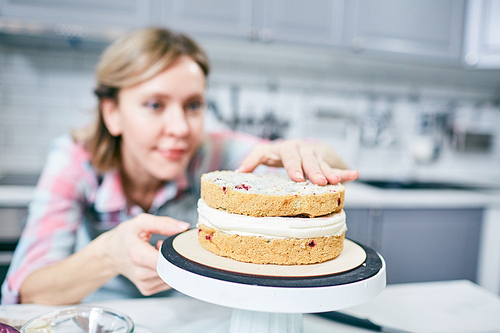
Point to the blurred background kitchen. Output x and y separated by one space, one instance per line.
407 91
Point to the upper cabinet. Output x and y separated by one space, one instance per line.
482 34
214 17
451 31
81 19
425 28
420 28
313 21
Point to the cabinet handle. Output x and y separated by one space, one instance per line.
252 33
71 30
471 59
357 44
266 35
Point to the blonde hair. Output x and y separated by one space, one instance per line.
130 60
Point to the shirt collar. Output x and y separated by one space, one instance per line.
168 192
110 196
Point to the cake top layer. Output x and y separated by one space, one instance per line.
270 184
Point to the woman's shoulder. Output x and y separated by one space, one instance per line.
69 157
66 144
65 150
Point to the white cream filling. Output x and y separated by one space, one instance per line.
271 227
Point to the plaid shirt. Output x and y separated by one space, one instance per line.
73 204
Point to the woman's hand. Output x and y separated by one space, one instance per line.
316 161
131 254
123 250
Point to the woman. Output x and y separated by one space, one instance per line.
135 173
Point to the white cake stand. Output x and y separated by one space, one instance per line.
269 303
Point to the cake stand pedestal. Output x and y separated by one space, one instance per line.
272 302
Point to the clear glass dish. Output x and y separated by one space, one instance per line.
80 319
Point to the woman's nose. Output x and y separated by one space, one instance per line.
175 122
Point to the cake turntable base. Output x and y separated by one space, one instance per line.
271 298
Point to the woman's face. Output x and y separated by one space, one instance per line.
161 121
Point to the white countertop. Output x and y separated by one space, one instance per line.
16 196
358 195
452 306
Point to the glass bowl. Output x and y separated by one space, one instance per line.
80 319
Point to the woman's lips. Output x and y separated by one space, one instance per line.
172 154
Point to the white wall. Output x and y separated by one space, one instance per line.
43 94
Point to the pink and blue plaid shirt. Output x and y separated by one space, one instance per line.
73 204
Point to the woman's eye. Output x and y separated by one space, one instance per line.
153 105
194 106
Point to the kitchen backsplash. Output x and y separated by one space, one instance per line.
43 94
378 126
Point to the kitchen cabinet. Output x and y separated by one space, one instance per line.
481 35
12 221
358 225
417 29
420 244
217 17
77 19
424 28
315 21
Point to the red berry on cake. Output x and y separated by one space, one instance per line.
312 243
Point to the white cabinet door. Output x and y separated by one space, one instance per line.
217 17
426 28
312 21
482 34
118 13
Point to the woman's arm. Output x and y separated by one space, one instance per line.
70 280
123 250
317 161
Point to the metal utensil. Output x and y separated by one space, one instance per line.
358 322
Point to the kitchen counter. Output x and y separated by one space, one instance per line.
358 194
16 196
453 306
361 195
16 190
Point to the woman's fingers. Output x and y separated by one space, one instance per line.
331 175
292 160
144 254
267 154
153 286
148 282
145 224
300 159
251 161
312 166
133 255
347 175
